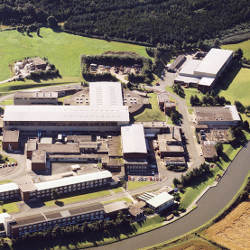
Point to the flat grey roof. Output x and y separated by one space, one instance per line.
52 113
215 113
105 94
115 206
36 94
10 135
189 67
72 180
214 61
133 139
60 148
38 156
8 187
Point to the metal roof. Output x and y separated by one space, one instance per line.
213 61
133 139
8 187
105 94
160 199
52 113
72 180
189 67
206 81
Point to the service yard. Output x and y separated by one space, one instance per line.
233 231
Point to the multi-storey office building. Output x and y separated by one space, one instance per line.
66 185
19 225
9 191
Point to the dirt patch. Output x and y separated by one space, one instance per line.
193 244
233 231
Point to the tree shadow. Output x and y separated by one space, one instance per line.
227 77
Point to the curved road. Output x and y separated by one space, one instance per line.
208 206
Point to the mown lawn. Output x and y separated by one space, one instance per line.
79 198
151 114
62 49
245 46
10 208
5 181
191 193
137 184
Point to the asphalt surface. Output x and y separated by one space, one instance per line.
208 206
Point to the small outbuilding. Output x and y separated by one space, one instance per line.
11 140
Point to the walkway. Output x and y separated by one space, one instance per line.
208 206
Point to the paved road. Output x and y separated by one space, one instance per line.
208 206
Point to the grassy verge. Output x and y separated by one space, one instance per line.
119 199
137 184
149 224
5 181
151 114
191 193
245 46
117 190
79 198
10 208
7 102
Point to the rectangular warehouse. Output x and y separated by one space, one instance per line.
133 140
213 63
65 118
105 94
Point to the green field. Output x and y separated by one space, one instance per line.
137 184
62 49
10 208
151 114
245 46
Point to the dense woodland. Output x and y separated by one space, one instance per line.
146 21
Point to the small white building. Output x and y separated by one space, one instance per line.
160 202
9 191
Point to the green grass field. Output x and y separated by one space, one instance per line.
151 114
10 208
5 181
137 184
62 49
245 46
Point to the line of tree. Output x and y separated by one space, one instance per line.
208 100
149 21
88 231
178 90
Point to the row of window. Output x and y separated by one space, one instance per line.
41 123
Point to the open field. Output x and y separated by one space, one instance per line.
62 49
233 231
245 46
151 114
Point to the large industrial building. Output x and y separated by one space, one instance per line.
65 118
217 117
204 73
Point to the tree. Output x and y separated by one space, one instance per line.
176 182
217 43
240 107
245 125
38 31
219 148
238 54
52 22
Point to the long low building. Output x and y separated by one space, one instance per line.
223 116
65 118
66 185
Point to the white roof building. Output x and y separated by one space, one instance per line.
161 201
189 67
52 113
133 139
8 187
105 94
213 62
72 180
